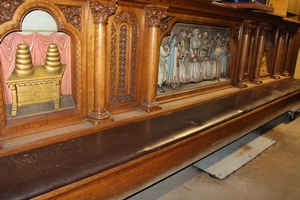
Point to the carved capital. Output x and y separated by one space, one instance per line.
7 9
248 27
283 31
102 11
155 15
264 28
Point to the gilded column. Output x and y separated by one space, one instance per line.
248 26
281 33
100 12
155 15
263 30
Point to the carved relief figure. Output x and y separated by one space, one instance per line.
172 76
196 42
185 42
163 60
205 45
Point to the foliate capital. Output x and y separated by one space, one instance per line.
102 10
155 15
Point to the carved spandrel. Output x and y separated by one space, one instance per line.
155 15
72 14
102 11
164 24
7 9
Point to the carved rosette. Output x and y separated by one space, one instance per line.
7 9
123 67
102 11
155 15
72 14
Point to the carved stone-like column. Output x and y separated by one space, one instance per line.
288 54
100 12
263 29
155 15
248 26
275 73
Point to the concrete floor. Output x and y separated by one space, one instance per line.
273 175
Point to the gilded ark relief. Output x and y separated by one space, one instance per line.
193 54
36 68
35 84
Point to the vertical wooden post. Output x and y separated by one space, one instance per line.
289 54
155 15
281 34
100 12
248 26
263 29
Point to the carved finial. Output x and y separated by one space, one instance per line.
24 66
155 15
101 11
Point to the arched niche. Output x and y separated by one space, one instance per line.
38 30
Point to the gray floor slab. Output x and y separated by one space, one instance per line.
227 160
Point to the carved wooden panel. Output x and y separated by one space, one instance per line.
123 61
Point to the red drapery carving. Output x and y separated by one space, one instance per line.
38 44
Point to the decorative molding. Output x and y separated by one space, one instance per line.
155 15
72 14
35 82
123 62
8 8
102 11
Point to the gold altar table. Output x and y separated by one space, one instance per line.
40 87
